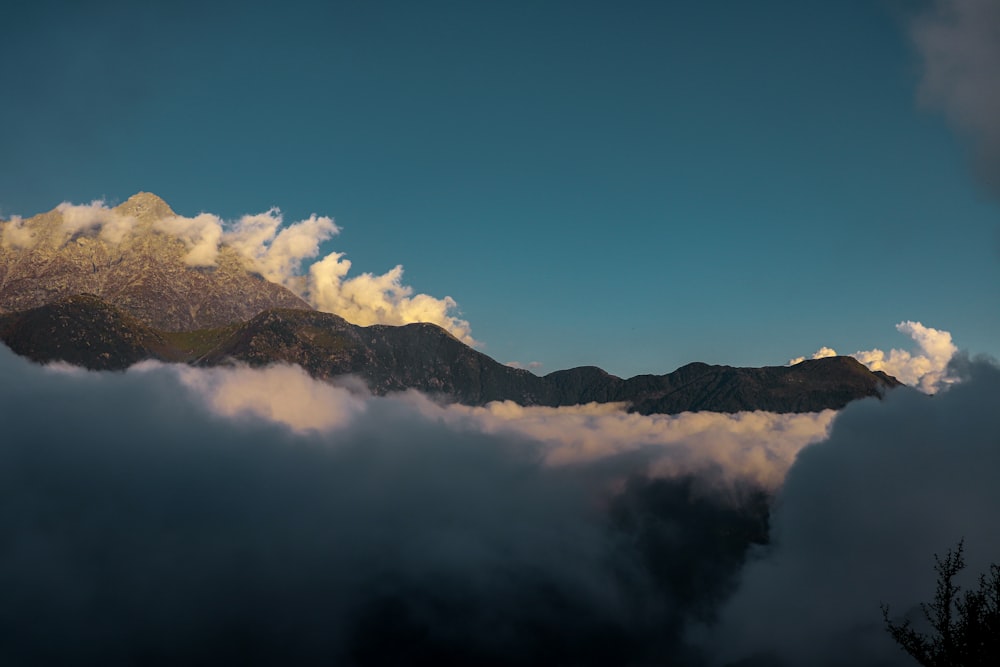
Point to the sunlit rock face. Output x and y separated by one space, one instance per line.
129 260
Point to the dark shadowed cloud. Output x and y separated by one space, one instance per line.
163 516
171 515
859 519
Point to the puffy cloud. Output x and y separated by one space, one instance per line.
277 252
959 42
858 520
378 299
925 369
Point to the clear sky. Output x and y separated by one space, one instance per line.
634 185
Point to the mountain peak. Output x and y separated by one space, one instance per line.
127 259
145 205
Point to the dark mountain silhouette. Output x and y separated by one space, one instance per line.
87 331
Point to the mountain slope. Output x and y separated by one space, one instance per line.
87 331
143 272
84 331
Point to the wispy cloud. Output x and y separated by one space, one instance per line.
530 366
959 43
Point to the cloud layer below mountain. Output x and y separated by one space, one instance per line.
177 514
259 516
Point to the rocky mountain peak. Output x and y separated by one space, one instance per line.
130 257
145 206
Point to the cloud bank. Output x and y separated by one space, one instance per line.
275 250
177 515
857 523
959 44
191 516
926 368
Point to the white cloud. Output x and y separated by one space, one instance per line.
201 234
926 368
821 353
378 299
277 251
110 225
14 233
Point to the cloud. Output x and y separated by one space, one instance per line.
821 353
755 446
302 404
15 234
259 516
859 519
378 299
278 254
734 448
110 225
201 234
925 369
959 43
276 250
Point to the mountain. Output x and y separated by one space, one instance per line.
87 331
84 331
132 264
106 288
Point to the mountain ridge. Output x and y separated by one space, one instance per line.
88 331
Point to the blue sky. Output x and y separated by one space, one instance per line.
632 185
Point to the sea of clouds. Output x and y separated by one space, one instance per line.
170 515
180 515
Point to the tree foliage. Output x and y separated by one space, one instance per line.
965 628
